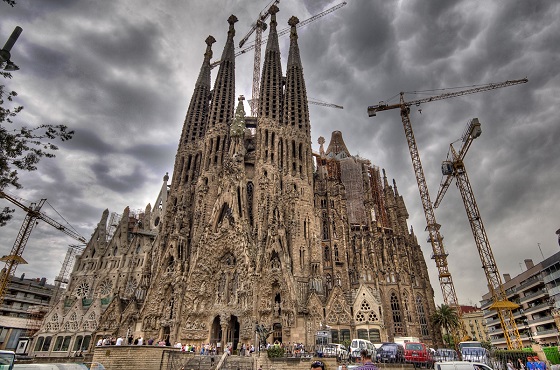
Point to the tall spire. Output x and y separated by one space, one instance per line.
270 97
296 110
193 127
223 99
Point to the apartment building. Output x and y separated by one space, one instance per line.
537 292
22 310
473 321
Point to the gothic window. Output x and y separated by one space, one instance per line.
250 201
338 280
327 253
336 257
170 263
82 290
421 315
407 312
329 281
325 226
396 311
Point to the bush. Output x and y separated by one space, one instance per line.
552 355
275 351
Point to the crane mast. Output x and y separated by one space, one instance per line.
15 257
456 169
435 238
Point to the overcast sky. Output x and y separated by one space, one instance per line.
121 74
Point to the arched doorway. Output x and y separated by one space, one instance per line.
233 336
166 332
277 332
216 331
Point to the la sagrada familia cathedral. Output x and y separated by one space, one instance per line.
254 229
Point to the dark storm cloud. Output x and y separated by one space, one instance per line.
121 75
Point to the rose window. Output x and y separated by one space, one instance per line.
82 290
131 286
105 287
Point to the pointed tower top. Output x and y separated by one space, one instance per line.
395 186
272 43
294 58
337 147
237 128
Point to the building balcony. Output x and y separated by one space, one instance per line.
545 333
537 294
485 304
549 278
554 291
537 308
35 301
529 283
541 320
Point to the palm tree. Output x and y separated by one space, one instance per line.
446 318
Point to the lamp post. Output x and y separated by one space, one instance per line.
5 63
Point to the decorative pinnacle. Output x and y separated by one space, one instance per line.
231 20
293 21
209 41
241 98
273 10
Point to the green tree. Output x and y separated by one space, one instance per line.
447 319
22 147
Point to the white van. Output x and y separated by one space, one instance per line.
461 365
358 345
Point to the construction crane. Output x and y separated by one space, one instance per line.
436 240
259 26
314 102
15 257
65 270
455 168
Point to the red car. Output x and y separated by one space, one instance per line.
418 354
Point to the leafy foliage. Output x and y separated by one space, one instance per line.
446 318
275 351
23 147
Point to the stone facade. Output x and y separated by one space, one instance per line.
259 229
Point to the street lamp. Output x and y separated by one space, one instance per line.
5 63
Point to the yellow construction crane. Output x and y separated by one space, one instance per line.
258 27
436 240
455 168
15 258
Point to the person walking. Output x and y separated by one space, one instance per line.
365 358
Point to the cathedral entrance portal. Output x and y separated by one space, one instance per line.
166 332
216 332
233 336
277 332
223 334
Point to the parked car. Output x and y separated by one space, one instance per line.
335 350
357 345
390 352
446 354
418 354
461 365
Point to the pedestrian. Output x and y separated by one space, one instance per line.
318 365
119 341
365 357
130 339
510 365
521 364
